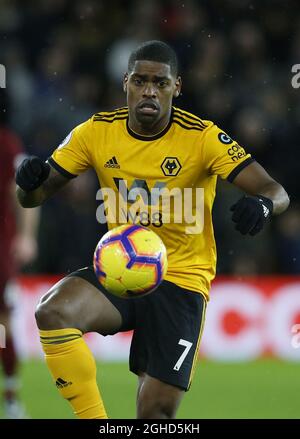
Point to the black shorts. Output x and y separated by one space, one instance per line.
167 326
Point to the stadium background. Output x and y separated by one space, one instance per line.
64 61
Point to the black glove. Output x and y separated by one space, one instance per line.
31 173
251 213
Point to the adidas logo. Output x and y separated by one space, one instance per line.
112 163
266 211
60 383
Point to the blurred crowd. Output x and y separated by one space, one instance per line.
65 61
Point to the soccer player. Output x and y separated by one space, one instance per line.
18 247
148 144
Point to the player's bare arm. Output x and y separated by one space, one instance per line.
266 197
24 245
255 180
37 181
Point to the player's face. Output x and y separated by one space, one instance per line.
150 89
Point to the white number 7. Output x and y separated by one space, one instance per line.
188 346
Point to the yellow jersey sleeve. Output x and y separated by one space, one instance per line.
222 155
73 156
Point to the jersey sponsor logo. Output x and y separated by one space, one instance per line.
171 166
112 163
224 138
66 140
236 152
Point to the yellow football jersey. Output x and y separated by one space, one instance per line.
182 162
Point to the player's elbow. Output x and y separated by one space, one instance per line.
276 192
284 201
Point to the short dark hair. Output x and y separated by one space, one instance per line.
154 51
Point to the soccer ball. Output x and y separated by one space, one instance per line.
130 261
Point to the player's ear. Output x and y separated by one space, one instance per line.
177 89
125 82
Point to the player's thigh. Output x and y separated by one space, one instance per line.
167 335
74 302
156 399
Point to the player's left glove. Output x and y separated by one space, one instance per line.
251 213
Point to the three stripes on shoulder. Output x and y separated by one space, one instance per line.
182 118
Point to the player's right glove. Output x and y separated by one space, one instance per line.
31 173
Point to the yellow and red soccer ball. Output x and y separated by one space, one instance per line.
130 261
